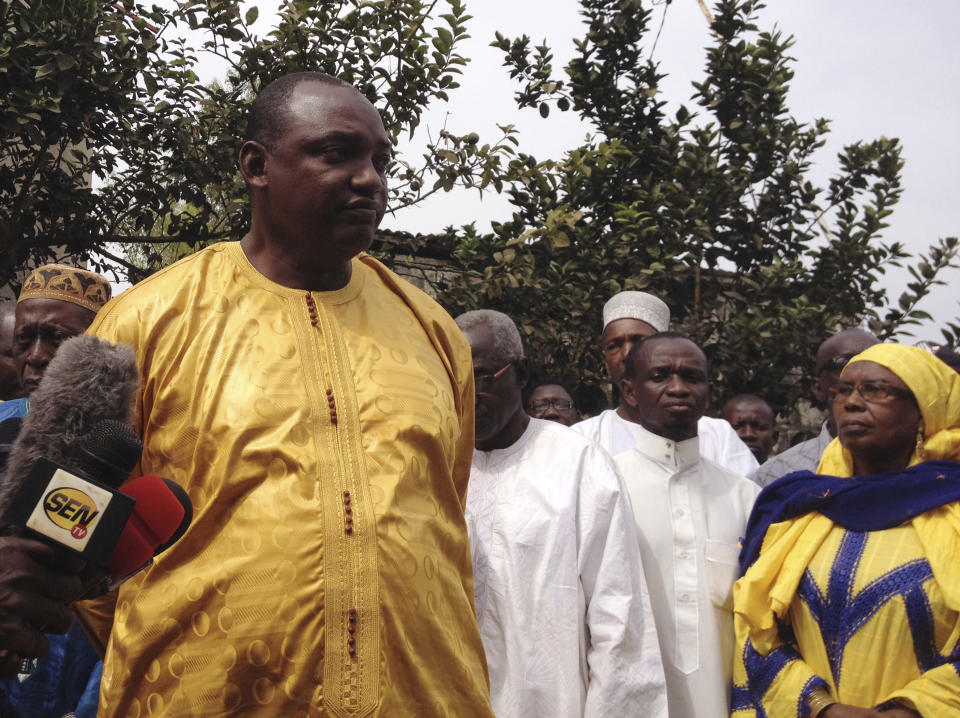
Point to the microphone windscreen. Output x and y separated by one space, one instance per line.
160 516
86 382
108 452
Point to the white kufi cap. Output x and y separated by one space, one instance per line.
637 305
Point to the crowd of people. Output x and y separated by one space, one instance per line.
393 517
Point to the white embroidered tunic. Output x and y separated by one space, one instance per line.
561 600
690 515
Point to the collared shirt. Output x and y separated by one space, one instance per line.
690 515
562 604
718 440
803 457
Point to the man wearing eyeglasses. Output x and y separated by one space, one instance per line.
561 599
550 399
832 357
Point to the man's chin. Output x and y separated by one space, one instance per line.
354 239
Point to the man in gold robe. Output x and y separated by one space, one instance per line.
319 412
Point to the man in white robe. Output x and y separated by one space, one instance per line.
629 317
690 515
562 605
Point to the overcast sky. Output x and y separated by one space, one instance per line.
873 67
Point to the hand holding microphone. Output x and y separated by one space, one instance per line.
72 453
37 582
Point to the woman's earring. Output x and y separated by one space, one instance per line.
919 451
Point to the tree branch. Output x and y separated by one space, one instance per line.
119 260
95 241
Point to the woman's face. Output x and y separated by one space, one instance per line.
880 431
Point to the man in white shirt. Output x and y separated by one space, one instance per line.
690 515
629 317
561 601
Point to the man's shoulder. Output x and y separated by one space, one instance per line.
800 457
592 427
721 474
571 457
431 314
168 300
188 270
567 436
386 277
719 431
561 446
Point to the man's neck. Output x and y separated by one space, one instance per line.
288 269
628 413
509 435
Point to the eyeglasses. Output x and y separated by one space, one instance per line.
541 405
835 363
482 382
876 392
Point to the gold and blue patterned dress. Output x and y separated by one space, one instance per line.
869 616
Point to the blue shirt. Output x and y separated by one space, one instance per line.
14 408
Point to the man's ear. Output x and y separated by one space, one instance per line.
626 392
253 164
819 391
522 367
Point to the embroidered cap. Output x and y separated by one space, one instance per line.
637 305
68 284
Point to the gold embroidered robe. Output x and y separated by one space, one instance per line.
325 440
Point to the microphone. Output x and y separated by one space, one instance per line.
87 381
73 503
74 447
161 515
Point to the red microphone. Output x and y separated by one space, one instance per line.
161 515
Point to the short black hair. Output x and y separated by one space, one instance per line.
630 368
948 356
750 399
547 381
266 116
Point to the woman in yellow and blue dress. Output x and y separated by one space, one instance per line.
848 605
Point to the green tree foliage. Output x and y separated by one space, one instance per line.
710 208
105 93
108 137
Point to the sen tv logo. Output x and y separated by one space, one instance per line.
72 510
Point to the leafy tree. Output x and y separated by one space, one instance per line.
710 208
104 92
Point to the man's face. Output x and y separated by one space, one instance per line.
832 356
325 177
617 339
668 388
498 399
553 403
9 376
754 423
43 325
